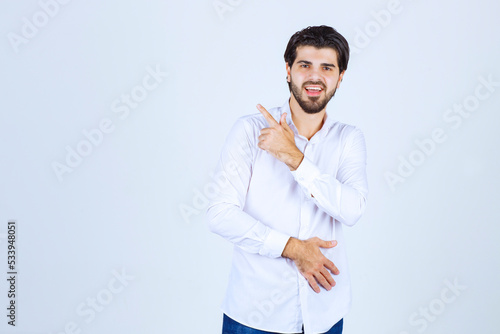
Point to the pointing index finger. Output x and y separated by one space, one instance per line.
270 119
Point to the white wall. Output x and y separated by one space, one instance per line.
118 212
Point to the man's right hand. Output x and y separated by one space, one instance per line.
312 264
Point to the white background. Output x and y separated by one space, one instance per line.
120 209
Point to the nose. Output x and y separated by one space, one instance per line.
315 76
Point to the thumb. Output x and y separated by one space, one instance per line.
283 122
328 244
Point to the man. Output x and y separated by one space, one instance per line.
291 177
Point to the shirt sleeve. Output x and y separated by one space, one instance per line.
225 213
342 196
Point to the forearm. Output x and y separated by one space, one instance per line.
294 159
342 201
246 232
343 193
291 248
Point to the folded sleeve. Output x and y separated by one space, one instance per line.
225 213
344 195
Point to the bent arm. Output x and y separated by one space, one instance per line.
225 213
342 197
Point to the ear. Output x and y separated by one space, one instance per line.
341 76
288 69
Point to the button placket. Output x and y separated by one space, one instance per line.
305 224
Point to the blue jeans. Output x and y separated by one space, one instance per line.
230 326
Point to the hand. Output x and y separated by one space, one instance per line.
311 263
279 140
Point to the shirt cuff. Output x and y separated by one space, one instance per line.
274 244
306 172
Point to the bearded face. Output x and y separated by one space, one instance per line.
312 96
314 77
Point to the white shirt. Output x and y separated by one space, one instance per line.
261 204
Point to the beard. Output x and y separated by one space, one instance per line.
311 104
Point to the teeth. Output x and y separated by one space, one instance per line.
314 88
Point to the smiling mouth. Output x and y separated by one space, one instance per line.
313 90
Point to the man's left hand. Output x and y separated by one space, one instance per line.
279 140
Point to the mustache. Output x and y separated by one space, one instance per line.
316 83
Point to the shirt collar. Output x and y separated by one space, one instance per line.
328 123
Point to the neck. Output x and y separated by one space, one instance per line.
307 124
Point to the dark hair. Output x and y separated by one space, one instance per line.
319 37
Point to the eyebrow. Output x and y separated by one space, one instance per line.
310 63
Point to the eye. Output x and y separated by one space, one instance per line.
327 68
304 65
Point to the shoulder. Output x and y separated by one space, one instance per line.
349 138
346 131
